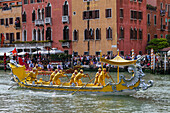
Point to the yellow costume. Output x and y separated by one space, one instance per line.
53 74
97 77
37 69
32 76
56 79
78 77
102 77
73 76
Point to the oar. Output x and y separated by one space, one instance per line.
88 76
111 77
82 86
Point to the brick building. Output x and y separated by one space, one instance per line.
94 27
10 21
48 21
131 26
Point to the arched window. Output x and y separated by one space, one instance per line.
65 9
48 10
86 34
33 16
39 14
48 33
39 35
24 16
109 33
131 33
34 35
43 34
91 33
98 34
135 33
42 14
66 33
140 34
75 35
149 38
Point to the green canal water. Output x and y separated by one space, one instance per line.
155 99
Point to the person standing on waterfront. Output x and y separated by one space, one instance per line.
78 77
102 77
97 76
73 76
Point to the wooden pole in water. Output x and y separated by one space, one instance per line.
5 62
151 60
118 68
133 56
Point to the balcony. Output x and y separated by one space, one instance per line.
39 22
65 19
48 20
162 12
66 44
163 27
42 44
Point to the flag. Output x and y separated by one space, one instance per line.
14 52
2 40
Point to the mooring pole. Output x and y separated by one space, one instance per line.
5 62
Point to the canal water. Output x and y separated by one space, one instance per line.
155 99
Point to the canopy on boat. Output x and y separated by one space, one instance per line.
118 61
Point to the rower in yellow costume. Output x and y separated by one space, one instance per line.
53 74
56 79
37 69
97 76
32 75
102 77
78 77
73 76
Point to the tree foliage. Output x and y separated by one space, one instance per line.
157 44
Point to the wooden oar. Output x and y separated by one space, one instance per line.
88 76
111 77
82 86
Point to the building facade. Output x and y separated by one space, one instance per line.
10 21
131 26
94 27
48 21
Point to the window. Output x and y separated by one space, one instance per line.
91 34
161 35
108 13
140 34
11 38
86 53
168 10
42 14
32 1
19 3
131 14
24 17
48 10
135 33
98 34
91 14
7 36
135 14
96 13
2 21
140 52
154 19
25 1
166 7
75 35
131 33
38 14
121 13
10 20
6 24
25 35
140 15
166 21
155 36
121 33
38 1
66 33
148 19
48 33
34 35
18 35
17 22
149 38
86 34
122 53
43 35
33 16
161 5
109 33
39 35
65 9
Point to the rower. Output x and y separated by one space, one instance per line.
73 76
56 79
37 69
102 77
97 76
78 77
32 75
53 74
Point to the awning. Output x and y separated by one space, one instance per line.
118 61
6 50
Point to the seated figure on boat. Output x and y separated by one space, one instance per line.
73 76
37 68
56 79
97 76
102 77
78 77
53 74
32 75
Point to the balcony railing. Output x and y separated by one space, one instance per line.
39 22
162 12
65 19
163 27
66 44
48 20
43 44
